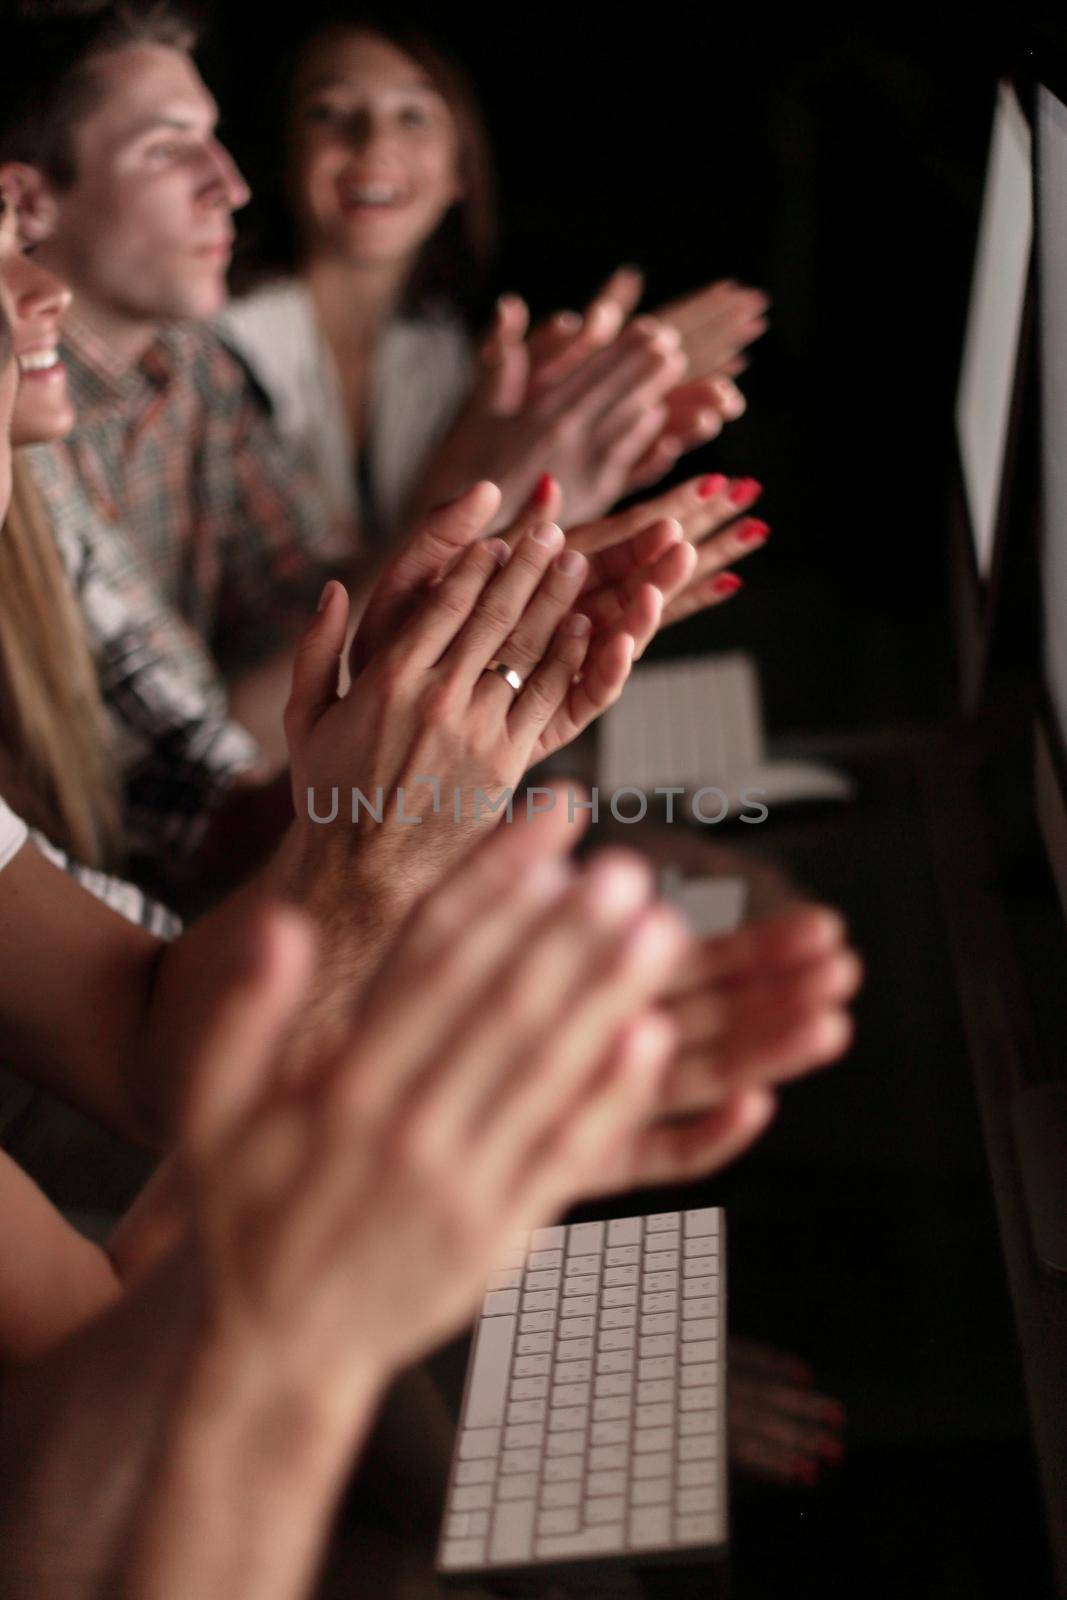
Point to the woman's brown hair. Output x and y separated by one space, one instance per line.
55 761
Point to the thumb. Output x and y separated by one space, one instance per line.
316 666
245 1023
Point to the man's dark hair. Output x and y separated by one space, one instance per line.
47 82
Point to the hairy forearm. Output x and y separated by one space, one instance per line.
241 1495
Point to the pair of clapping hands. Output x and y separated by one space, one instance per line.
605 404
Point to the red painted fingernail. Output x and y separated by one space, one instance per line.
546 487
752 531
726 583
714 483
744 491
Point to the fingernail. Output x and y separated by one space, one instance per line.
546 485
501 552
570 563
546 533
726 583
324 598
744 491
752 531
714 483
577 625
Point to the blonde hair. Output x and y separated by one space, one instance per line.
56 768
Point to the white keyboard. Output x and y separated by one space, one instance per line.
593 1422
711 905
690 722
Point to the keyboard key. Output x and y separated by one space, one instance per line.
699 1376
622 1255
562 1468
475 1472
573 1371
548 1239
701 1222
658 1282
700 1328
691 1287
605 1483
545 1261
529 1388
487 1387
658 1244
616 1361
691 1422
658 1416
652 1439
477 1444
570 1394
502 1302
609 1432
701 1267
625 1295
526 1434
574 1327
661 1322
579 1305
613 1383
702 1448
615 1277
660 1344
460 1553
653 1465
694 1474
649 1526
536 1321
513 1461
619 1339
573 1352
510 1279
512 1532
611 1408
540 1300
589 1542
704 1306
563 1418
701 1247
697 1530
663 1222
555 1495
689 1501
698 1399
563 1520
658 1302
541 1280
523 1486
532 1366
619 1317
527 1411
581 1283
472 1497
586 1238
577 1266
565 1444
656 1367
610 1509
655 1390
530 1344
699 1350
650 1491
625 1230
608 1458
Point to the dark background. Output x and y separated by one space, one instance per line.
836 164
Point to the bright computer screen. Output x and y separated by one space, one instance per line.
994 322
1052 322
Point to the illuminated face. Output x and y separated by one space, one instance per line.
374 165
145 232
36 302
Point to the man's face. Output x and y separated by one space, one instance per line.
144 234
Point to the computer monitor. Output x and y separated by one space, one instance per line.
991 385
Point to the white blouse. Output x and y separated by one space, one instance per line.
421 378
13 834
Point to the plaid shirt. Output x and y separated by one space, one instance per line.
178 456
177 750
